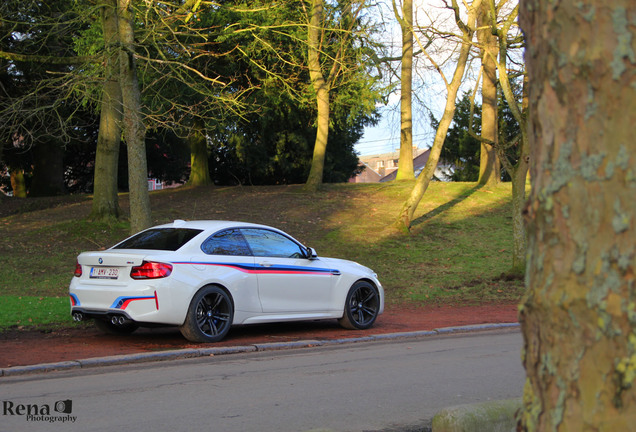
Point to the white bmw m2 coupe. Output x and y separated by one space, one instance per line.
205 276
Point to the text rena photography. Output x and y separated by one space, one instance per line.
57 412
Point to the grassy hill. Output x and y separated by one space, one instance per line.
458 250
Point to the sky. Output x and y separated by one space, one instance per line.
429 92
385 137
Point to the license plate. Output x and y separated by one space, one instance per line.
104 273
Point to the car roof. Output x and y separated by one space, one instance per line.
210 224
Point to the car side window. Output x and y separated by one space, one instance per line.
228 242
170 239
266 243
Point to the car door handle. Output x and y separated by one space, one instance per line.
264 264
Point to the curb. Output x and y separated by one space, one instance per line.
492 416
210 352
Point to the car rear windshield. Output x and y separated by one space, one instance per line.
169 239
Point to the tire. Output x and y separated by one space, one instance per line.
110 328
361 306
209 316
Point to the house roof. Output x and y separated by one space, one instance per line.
418 164
369 175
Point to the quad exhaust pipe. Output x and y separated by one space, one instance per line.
119 320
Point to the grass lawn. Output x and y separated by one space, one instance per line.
458 252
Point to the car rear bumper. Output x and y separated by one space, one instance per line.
143 303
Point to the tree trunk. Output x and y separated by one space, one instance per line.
133 127
105 205
518 171
17 183
405 218
579 314
519 176
489 166
322 96
405 164
199 168
48 170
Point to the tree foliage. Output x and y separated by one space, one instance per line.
238 72
39 111
271 142
37 103
461 151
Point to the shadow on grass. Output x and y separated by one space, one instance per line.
447 206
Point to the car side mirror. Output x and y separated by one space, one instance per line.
311 253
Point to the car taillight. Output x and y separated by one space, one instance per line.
151 270
78 269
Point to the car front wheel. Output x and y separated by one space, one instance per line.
209 317
361 307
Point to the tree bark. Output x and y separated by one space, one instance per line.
489 166
579 314
405 165
105 205
321 88
199 168
133 126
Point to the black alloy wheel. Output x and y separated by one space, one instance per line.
209 317
361 306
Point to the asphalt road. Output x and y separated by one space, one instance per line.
397 385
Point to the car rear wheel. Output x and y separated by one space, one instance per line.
209 317
361 306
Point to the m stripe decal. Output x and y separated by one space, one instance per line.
273 269
74 300
123 302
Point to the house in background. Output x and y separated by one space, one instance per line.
383 167
156 184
